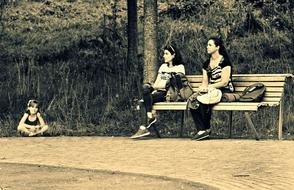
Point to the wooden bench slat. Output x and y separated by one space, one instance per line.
267 84
264 75
216 108
221 108
245 84
171 104
249 75
252 107
273 94
259 79
241 89
271 99
268 89
195 79
236 108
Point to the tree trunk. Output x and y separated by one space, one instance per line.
2 7
132 59
150 40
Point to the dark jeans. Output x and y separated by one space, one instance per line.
151 98
202 116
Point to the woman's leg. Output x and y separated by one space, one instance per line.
150 97
147 90
202 117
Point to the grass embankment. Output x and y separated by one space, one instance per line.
71 55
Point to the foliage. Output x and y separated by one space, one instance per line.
71 55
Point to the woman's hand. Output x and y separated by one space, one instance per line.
203 88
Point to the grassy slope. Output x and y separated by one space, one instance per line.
47 31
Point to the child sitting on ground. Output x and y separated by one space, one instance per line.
32 123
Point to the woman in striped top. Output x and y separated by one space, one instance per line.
217 73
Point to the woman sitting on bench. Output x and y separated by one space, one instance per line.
157 92
217 73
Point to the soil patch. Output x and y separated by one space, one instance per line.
31 177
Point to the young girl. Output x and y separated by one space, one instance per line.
32 123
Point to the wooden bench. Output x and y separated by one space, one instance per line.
275 84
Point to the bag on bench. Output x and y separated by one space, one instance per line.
179 88
253 93
230 97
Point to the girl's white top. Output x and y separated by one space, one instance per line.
164 68
164 74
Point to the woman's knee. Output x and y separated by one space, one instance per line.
45 128
147 88
20 128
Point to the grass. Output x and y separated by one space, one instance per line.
71 55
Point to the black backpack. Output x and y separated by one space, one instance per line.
179 88
253 93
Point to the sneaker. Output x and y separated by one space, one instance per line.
201 135
31 134
142 132
151 121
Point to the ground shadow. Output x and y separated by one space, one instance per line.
14 176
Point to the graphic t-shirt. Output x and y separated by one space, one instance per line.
164 73
164 68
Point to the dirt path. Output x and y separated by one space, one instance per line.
224 164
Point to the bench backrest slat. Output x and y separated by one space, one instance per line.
274 84
241 89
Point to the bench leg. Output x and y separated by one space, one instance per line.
182 123
251 125
280 130
156 131
230 124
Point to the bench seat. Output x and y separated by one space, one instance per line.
233 106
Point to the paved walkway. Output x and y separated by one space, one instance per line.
224 164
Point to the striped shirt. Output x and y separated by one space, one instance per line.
214 75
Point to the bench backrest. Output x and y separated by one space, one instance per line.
274 84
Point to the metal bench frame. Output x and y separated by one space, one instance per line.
275 85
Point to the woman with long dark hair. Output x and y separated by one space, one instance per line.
217 73
157 92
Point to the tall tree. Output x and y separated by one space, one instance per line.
150 40
2 7
132 58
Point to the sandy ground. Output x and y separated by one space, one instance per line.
220 164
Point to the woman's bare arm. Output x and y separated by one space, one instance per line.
41 120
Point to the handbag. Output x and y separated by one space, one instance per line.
192 102
253 93
230 97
